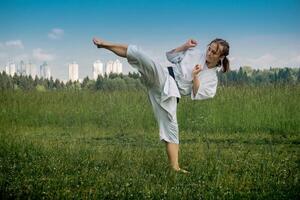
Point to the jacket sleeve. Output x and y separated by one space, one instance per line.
207 89
175 57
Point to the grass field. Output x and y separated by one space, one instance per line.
243 144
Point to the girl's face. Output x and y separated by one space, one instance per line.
213 53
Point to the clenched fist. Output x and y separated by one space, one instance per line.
190 43
196 70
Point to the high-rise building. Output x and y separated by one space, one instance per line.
97 69
73 71
10 68
21 70
109 67
117 67
114 67
45 71
30 70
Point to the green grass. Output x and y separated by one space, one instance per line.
244 143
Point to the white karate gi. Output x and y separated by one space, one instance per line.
163 90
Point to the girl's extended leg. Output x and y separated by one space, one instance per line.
119 49
137 59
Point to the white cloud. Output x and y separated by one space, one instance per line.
267 60
56 33
231 58
296 59
263 61
15 44
41 55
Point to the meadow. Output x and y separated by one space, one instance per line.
243 144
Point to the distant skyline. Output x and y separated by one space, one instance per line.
261 33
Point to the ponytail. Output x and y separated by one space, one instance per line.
225 65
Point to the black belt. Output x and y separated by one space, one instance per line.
171 72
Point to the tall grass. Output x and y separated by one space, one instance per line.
244 143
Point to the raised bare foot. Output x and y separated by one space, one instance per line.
98 42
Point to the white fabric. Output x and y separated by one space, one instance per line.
163 90
185 62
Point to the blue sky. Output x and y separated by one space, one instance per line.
261 33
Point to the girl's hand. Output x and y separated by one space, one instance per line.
196 70
190 43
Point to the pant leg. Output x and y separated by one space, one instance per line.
167 121
162 89
153 74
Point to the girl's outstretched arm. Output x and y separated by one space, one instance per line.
190 43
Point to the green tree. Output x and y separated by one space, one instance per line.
85 82
99 85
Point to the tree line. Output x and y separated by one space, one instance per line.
248 76
133 81
107 82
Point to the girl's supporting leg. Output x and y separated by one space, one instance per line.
119 49
172 151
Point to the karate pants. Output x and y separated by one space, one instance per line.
162 91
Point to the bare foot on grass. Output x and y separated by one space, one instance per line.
179 170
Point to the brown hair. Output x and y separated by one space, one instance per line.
225 52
